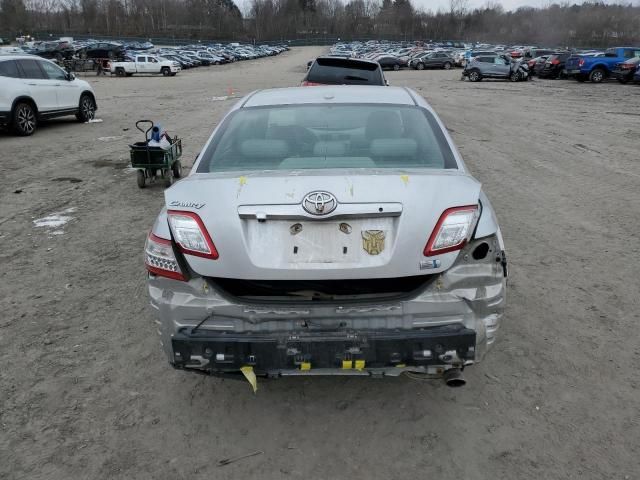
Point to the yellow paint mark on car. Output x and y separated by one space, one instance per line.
405 179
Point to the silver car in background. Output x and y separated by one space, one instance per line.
328 230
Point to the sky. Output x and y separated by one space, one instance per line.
507 4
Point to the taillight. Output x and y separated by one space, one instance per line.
160 259
581 62
453 230
555 61
191 235
310 84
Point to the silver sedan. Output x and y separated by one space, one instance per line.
328 230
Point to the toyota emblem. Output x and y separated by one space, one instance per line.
319 203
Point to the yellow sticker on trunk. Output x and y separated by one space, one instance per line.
305 366
347 364
359 364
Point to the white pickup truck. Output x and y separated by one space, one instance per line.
144 63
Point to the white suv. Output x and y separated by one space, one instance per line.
34 89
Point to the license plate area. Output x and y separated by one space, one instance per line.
285 243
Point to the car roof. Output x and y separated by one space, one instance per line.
22 56
365 94
346 59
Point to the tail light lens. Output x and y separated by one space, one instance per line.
160 259
191 235
453 230
310 84
555 61
581 62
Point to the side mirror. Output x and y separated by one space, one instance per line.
71 77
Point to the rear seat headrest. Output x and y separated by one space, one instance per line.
394 147
269 148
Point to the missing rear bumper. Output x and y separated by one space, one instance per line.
326 353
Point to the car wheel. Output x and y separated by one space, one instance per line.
597 75
24 119
177 169
87 108
420 66
474 76
120 72
169 178
515 76
396 67
446 66
165 71
140 179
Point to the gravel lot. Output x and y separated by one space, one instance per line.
86 393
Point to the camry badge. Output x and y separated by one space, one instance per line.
373 241
319 203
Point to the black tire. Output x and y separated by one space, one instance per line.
597 75
420 66
396 67
176 168
168 177
140 179
165 71
120 72
447 65
86 108
515 77
24 119
475 76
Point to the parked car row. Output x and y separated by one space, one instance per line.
187 56
516 62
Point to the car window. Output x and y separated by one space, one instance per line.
339 71
499 61
142 60
9 68
52 71
328 136
30 69
630 53
153 60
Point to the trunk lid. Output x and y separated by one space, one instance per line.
378 229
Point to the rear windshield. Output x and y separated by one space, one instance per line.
328 136
340 71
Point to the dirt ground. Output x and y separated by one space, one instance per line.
86 393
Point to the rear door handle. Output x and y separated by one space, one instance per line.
33 84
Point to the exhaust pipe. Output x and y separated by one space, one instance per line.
453 378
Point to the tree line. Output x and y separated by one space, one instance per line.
592 23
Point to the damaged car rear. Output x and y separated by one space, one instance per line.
328 231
